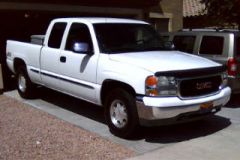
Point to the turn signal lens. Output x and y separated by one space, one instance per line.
151 86
151 81
232 67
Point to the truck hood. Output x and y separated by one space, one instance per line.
157 61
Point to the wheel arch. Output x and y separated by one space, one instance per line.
110 84
17 63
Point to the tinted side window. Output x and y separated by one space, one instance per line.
56 35
184 43
212 45
238 46
78 33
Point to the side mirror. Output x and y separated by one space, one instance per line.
169 45
81 47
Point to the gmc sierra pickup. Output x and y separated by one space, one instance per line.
123 65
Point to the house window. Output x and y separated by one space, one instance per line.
212 45
184 43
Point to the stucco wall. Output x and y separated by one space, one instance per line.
174 7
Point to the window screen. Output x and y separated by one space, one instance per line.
184 43
212 45
56 35
78 33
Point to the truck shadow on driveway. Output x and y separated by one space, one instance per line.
162 134
184 131
72 104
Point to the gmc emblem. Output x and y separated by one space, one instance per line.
203 85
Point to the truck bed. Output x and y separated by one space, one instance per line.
27 51
37 39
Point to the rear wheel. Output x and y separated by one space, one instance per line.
24 85
121 114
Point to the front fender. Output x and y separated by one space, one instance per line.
125 73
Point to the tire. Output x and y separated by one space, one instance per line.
24 85
121 113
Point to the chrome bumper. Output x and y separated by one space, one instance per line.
157 108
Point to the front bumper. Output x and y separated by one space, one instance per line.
163 108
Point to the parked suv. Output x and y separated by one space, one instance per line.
219 45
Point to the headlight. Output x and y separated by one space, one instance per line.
224 80
161 86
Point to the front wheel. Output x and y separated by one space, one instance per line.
121 113
24 85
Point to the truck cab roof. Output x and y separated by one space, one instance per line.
94 20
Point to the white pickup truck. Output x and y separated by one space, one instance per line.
123 65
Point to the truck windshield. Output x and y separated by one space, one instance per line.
120 38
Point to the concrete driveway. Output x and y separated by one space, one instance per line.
149 141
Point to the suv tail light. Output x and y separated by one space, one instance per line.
232 67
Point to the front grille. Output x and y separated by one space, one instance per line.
200 86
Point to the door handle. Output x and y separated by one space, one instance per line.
63 59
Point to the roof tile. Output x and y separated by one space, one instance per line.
193 8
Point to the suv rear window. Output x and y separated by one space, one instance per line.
184 43
212 45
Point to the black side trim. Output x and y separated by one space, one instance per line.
77 83
63 79
49 75
193 72
34 70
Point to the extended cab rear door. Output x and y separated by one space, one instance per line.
50 55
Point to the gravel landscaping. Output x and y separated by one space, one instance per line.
27 133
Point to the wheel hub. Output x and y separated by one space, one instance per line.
118 114
22 83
